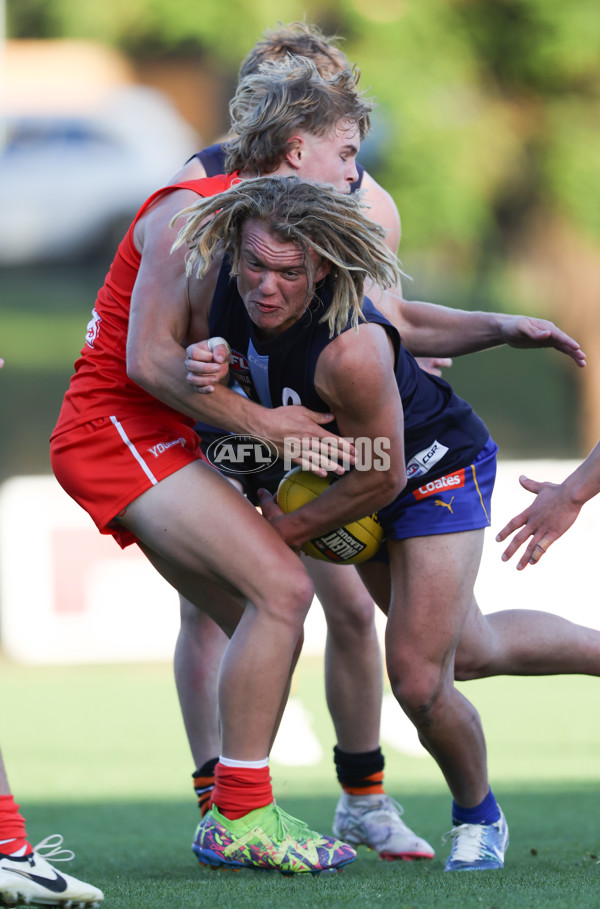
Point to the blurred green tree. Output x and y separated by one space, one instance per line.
486 134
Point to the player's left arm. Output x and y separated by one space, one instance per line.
355 377
434 333
431 330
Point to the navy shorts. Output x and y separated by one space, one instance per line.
452 503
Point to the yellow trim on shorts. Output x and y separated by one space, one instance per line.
479 493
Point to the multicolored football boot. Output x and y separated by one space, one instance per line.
267 839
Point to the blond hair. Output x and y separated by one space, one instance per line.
298 39
285 97
321 218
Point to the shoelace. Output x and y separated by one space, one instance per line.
468 840
285 821
399 808
385 803
50 849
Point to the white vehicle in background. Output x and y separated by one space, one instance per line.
71 182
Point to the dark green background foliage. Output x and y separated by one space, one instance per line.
486 135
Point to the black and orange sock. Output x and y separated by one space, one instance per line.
204 783
239 790
360 773
13 838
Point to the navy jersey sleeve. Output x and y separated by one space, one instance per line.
212 159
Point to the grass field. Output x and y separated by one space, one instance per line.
99 754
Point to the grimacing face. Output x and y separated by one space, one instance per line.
273 279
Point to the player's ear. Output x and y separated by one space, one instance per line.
295 152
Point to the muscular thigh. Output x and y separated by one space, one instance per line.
196 521
432 591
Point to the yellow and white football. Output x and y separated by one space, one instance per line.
348 545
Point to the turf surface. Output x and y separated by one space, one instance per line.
99 754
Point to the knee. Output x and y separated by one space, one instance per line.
289 600
349 620
420 688
301 592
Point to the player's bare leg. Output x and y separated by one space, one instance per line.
365 814
525 642
510 642
353 670
193 526
432 584
198 655
433 580
199 652
375 576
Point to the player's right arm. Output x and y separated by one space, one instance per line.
355 377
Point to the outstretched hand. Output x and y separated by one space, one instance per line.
525 331
549 516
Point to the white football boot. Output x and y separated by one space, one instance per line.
32 879
375 821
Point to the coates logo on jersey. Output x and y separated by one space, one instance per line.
93 329
424 460
450 481
238 365
241 454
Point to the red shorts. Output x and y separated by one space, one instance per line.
107 463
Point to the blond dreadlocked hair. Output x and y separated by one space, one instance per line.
319 217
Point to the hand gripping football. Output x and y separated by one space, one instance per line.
348 545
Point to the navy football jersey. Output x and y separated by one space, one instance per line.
441 431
